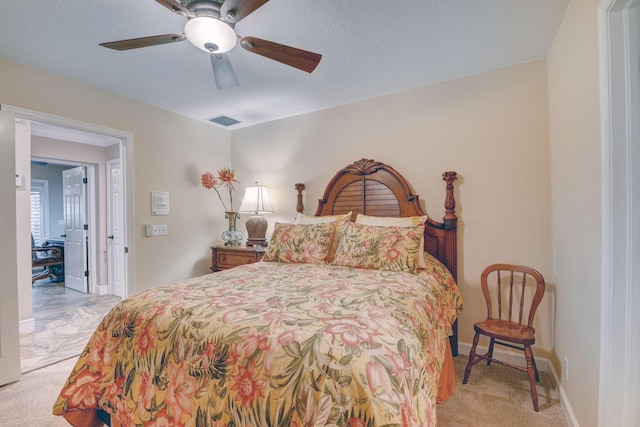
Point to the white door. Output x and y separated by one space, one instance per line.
115 229
9 336
75 235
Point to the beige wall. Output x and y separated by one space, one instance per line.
574 118
169 153
491 128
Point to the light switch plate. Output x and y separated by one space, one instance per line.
156 230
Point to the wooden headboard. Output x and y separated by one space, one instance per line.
374 188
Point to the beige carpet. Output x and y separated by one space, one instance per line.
495 396
29 402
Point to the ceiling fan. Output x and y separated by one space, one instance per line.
210 27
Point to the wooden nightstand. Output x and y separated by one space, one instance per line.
224 257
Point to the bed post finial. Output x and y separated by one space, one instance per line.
300 188
450 201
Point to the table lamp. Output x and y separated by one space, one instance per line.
256 202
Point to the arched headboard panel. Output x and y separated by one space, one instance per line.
370 188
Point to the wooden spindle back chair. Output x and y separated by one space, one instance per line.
45 257
506 292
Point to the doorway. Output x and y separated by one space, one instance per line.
120 148
80 197
59 219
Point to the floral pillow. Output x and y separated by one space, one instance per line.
300 243
336 219
380 248
407 221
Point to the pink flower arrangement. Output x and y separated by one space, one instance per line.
225 179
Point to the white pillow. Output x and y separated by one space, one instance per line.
310 219
390 221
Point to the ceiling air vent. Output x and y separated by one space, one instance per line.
224 121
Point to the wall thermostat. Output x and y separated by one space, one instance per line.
159 203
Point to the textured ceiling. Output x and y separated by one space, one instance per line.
370 48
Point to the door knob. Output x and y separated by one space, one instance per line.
110 237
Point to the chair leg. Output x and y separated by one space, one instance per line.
472 355
490 352
533 359
531 372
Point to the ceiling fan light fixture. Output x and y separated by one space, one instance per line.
210 34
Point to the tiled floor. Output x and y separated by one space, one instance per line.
64 321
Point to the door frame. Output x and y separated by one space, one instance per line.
9 309
126 161
619 379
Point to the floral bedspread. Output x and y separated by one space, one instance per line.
271 344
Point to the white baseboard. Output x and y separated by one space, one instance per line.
102 289
543 364
27 326
564 401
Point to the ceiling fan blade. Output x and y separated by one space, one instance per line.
223 71
175 6
235 10
294 57
144 41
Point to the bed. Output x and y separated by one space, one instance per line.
345 322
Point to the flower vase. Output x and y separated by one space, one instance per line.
232 237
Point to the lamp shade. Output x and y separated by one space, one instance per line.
256 200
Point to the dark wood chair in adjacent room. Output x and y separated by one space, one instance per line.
508 292
45 257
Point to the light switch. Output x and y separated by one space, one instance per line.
160 230
156 230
